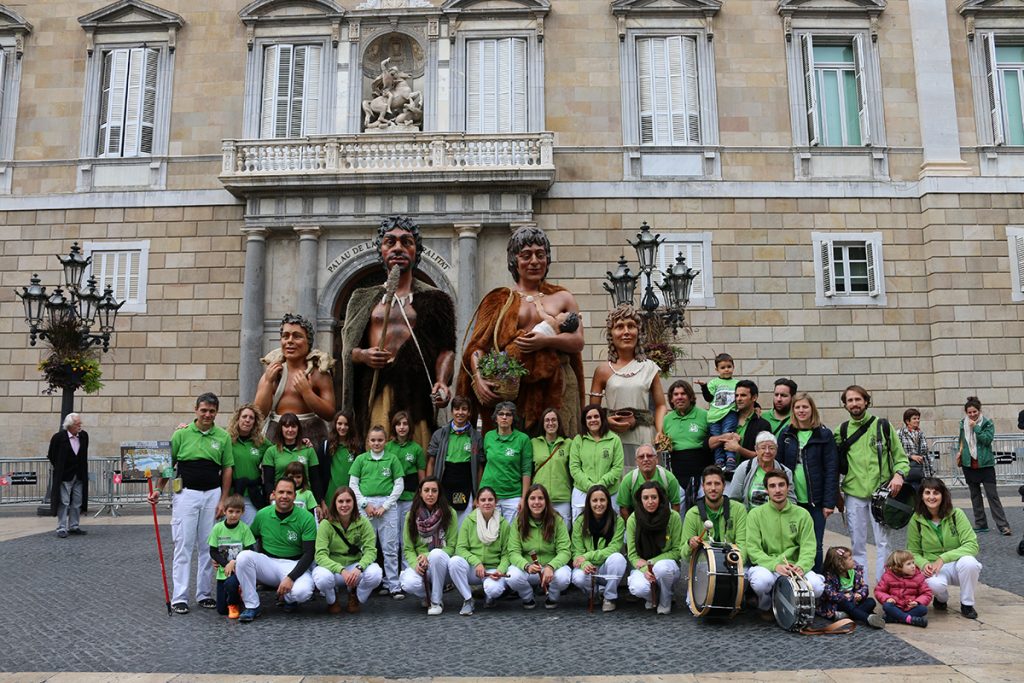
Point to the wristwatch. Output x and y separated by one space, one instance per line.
360 567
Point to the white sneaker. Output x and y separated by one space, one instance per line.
435 610
667 609
841 615
648 605
467 608
608 606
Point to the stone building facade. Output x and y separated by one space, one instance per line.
847 175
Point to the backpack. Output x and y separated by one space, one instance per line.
843 448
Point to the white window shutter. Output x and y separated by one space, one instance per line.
695 260
995 99
474 84
1018 244
296 96
807 45
519 86
270 56
311 90
661 93
489 87
676 91
645 89
692 100
149 101
282 98
133 102
3 71
860 66
503 83
115 77
873 274
828 284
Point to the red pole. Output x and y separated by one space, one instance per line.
159 548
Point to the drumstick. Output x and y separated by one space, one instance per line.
708 526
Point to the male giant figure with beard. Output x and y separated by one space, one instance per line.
415 366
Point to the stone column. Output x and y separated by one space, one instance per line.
936 100
306 287
253 297
468 297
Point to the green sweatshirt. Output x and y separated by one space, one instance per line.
334 555
553 473
413 548
952 540
470 548
863 476
596 461
554 552
777 536
597 550
736 532
673 541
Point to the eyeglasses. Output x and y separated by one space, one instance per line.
505 414
769 447
645 456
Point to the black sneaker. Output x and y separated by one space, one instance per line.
940 606
919 621
969 611
180 608
207 603
529 604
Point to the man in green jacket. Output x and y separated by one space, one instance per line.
780 542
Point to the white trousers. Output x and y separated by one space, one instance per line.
193 514
249 513
390 535
328 583
524 583
858 517
403 509
437 571
964 573
763 582
666 572
579 501
609 575
565 510
70 508
253 567
462 575
509 508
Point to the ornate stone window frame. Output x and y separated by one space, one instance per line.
13 29
305 22
141 275
478 19
986 24
835 20
825 293
123 25
637 19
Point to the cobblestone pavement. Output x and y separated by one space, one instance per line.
96 603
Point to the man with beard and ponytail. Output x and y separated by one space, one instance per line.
873 455
410 353
780 542
728 517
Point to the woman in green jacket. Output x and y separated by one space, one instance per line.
979 464
944 545
428 542
551 463
538 550
480 552
595 457
654 535
596 547
346 548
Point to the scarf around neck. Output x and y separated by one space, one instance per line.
487 532
651 530
971 438
600 528
428 524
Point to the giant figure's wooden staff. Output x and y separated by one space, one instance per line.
390 287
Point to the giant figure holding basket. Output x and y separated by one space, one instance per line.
537 325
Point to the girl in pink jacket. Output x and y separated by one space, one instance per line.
903 591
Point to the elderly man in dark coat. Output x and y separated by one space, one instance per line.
69 495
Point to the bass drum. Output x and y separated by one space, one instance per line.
793 603
893 512
716 581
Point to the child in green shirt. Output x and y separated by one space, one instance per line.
720 392
296 471
228 538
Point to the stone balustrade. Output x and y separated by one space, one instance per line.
392 158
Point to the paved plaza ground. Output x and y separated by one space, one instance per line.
95 604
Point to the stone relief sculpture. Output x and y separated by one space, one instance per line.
394 103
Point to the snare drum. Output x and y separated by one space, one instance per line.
716 581
793 602
893 512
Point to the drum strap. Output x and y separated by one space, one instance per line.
702 508
839 627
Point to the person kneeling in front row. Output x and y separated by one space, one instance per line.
346 547
780 542
654 536
286 536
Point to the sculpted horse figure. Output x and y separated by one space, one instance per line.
392 93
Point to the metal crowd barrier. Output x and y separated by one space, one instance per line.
1008 449
23 481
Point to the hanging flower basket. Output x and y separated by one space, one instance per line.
504 371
